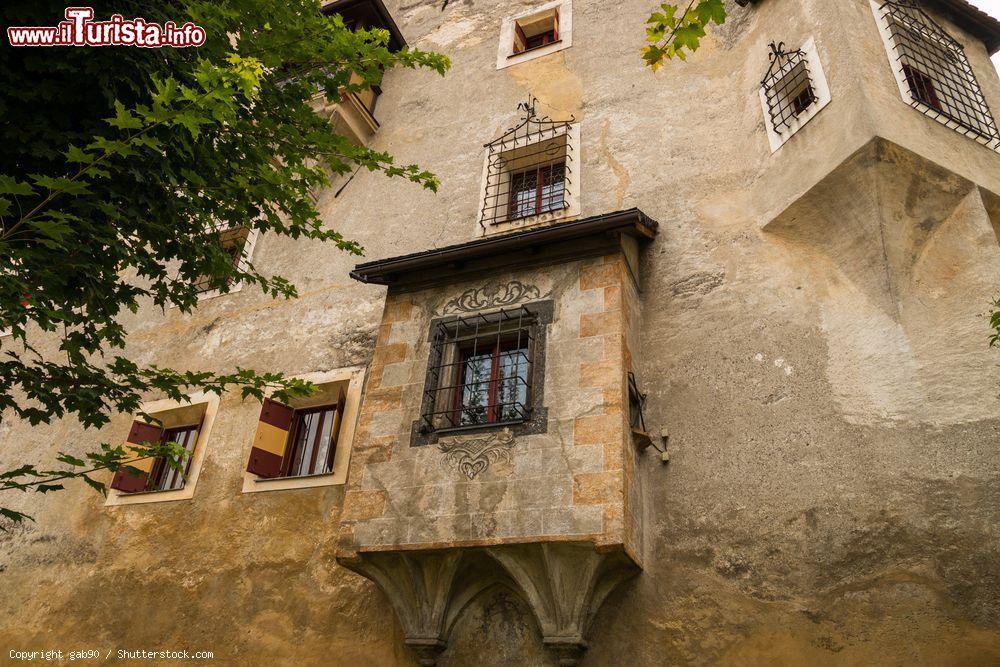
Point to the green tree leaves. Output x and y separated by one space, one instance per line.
121 167
995 324
670 34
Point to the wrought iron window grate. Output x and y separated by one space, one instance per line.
235 244
529 169
787 86
936 71
480 371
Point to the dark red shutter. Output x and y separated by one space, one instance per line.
520 41
271 439
139 434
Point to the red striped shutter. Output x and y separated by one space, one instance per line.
125 481
520 41
271 439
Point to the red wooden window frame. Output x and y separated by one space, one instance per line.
803 100
540 174
161 471
467 352
295 443
921 87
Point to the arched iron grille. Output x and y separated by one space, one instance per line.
787 86
937 73
530 169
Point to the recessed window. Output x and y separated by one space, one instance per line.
480 371
294 443
306 443
933 72
793 90
187 423
537 30
530 174
536 33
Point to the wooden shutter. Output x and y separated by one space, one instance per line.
520 41
271 439
555 26
126 481
338 423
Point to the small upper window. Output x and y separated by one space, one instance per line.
537 30
542 30
793 90
313 441
933 72
480 371
238 244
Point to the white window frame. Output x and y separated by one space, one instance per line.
208 403
882 21
821 90
354 377
505 53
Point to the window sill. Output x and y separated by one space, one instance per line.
133 494
534 48
264 480
478 427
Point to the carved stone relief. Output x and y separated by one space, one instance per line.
491 295
474 455
564 584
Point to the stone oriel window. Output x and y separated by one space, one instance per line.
538 32
793 90
531 174
933 72
308 442
485 370
189 424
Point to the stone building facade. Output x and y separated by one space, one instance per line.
676 368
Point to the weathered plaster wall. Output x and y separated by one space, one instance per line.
812 511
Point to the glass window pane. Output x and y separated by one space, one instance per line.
512 392
475 396
325 431
524 193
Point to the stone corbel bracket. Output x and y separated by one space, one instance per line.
564 583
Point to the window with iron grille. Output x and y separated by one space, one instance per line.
793 90
485 370
530 171
238 244
932 70
788 86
